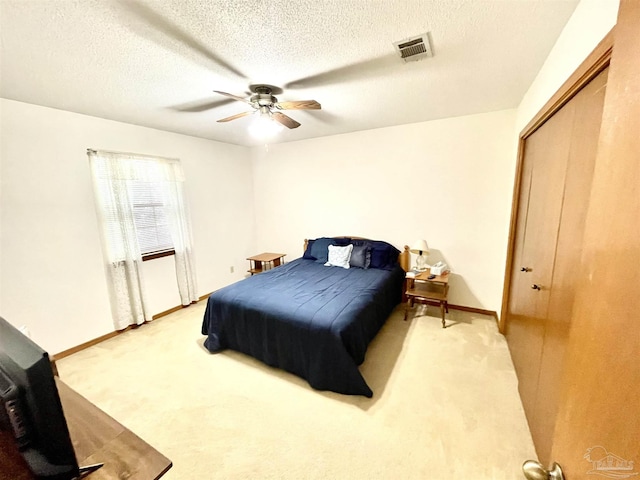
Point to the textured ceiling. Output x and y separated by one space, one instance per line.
156 63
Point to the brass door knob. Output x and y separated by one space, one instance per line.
534 470
525 269
536 287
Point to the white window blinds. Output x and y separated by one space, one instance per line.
132 192
152 225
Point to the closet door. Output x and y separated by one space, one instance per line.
588 104
545 160
556 179
600 401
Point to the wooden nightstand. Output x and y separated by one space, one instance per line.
265 261
421 288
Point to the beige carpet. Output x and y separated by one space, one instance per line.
445 404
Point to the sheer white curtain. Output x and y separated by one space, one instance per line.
113 176
123 267
180 227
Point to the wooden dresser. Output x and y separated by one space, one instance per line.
97 438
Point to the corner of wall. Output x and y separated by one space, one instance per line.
258 157
590 22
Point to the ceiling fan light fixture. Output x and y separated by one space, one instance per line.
263 125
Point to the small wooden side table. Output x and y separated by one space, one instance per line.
265 261
421 288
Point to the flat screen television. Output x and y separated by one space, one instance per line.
30 407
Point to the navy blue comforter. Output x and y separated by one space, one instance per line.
311 320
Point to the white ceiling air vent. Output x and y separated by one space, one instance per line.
415 48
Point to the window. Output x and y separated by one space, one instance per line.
150 219
142 214
132 194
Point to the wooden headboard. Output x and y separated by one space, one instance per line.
404 257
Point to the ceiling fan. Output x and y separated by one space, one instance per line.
145 21
263 101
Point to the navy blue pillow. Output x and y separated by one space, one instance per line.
383 255
320 248
342 241
307 253
357 242
379 258
360 256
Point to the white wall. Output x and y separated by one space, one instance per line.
447 181
51 269
590 22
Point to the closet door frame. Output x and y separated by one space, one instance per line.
595 63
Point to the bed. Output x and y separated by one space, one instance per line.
312 320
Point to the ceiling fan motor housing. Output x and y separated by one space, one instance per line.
263 96
264 100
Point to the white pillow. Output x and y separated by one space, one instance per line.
339 256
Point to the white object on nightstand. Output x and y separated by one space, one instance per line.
439 268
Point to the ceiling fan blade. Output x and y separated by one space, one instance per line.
366 68
233 117
284 120
200 106
235 97
153 26
299 105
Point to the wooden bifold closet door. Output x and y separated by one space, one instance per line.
555 184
